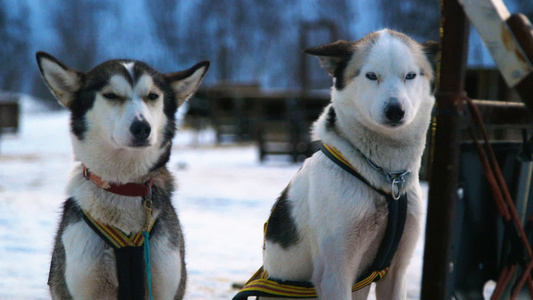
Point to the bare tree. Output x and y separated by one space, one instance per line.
417 18
165 18
75 22
14 33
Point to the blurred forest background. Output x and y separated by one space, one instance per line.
246 40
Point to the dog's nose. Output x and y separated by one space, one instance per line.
394 111
140 129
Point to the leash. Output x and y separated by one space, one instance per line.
260 284
147 205
127 249
506 208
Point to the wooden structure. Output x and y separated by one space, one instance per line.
230 110
9 113
446 270
278 120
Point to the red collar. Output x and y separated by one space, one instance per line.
129 189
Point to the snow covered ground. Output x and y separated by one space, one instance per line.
224 197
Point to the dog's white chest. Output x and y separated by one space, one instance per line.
90 270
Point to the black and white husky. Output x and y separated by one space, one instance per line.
327 225
122 125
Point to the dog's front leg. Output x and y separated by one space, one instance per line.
334 270
392 286
361 294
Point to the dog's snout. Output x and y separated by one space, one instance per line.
394 111
140 129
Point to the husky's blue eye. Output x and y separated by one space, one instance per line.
410 75
111 96
152 96
371 76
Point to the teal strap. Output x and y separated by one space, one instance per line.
147 262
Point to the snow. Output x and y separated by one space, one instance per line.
224 197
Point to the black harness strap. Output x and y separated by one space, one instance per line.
348 168
130 271
393 233
129 261
396 216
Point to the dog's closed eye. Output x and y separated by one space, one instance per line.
111 96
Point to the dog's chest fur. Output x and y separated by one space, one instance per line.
369 230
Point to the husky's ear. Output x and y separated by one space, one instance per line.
63 81
185 83
333 55
431 49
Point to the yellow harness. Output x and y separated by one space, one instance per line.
262 285
113 236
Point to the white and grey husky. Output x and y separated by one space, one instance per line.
329 226
122 125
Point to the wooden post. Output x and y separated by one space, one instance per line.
438 267
523 32
510 42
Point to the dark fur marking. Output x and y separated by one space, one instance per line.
339 74
170 107
331 119
281 226
82 103
342 49
163 159
140 69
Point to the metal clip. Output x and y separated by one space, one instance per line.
86 174
147 206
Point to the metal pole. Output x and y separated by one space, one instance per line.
438 267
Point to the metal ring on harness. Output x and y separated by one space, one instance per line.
396 188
